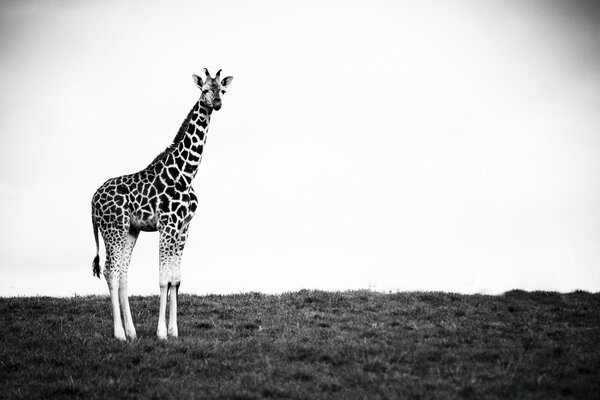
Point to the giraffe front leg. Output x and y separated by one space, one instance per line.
167 260
176 281
161 331
173 332
168 277
174 291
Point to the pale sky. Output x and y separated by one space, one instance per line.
391 145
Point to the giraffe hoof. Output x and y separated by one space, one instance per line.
130 333
161 334
119 333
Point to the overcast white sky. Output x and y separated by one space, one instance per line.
430 145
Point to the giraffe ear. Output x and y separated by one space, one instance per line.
226 81
198 81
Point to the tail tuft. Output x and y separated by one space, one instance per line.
96 262
96 266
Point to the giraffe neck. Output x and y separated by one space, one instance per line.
179 163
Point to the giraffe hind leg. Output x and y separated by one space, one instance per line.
114 240
130 240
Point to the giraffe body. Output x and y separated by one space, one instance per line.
157 198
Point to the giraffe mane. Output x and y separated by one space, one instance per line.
178 138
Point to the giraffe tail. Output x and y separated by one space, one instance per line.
96 262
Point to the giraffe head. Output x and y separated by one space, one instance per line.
212 88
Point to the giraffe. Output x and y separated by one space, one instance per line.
158 198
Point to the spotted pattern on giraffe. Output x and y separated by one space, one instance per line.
158 198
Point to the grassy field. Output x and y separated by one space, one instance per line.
308 345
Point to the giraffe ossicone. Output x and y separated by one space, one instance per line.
158 198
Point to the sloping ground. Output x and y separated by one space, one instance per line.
308 345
